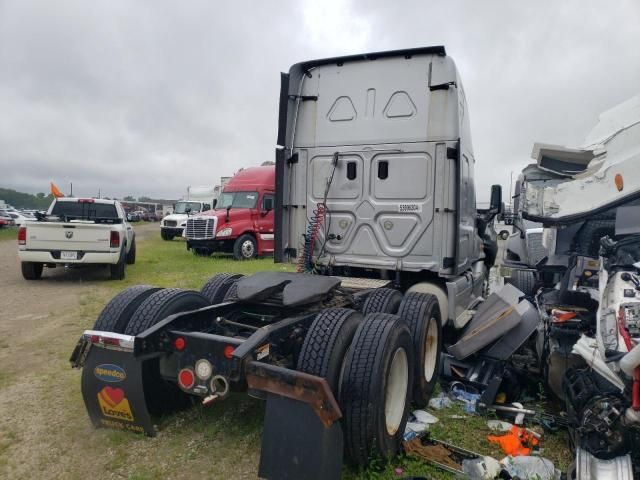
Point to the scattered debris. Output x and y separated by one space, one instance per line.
530 468
518 441
441 454
441 401
483 468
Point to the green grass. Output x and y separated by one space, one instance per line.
170 264
220 441
8 233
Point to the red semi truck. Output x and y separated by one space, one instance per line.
241 221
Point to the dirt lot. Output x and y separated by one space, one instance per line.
44 429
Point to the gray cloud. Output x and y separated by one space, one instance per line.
148 97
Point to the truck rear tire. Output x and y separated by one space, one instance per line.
159 305
217 286
523 280
118 270
115 316
382 300
232 293
31 270
326 344
376 388
131 256
245 247
166 235
422 314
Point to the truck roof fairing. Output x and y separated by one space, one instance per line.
601 174
435 50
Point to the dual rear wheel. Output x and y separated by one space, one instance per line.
376 362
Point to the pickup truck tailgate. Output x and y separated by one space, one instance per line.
68 236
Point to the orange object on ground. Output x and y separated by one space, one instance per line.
517 442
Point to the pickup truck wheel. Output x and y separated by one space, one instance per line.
382 300
217 287
166 235
160 305
32 270
131 256
422 314
115 316
326 343
118 270
245 247
376 388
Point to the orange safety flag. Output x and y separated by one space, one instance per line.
55 192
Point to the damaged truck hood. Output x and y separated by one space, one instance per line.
600 174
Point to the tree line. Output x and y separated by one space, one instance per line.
39 201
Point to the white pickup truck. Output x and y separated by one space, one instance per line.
78 231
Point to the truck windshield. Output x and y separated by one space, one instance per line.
181 207
84 211
237 200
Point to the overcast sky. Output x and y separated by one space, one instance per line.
147 97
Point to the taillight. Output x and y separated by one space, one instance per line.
228 351
22 236
186 378
115 239
179 344
114 341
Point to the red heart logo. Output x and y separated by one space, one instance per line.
112 395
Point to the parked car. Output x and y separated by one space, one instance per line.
5 219
20 219
133 217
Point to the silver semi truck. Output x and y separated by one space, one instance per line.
375 203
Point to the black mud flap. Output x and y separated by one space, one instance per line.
302 437
296 445
112 389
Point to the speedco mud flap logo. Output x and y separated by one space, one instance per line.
114 404
108 372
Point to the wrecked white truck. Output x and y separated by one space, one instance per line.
587 287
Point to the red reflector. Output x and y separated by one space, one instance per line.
179 343
86 200
22 236
186 378
228 351
115 239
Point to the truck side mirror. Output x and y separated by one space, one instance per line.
214 203
267 204
496 204
187 210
